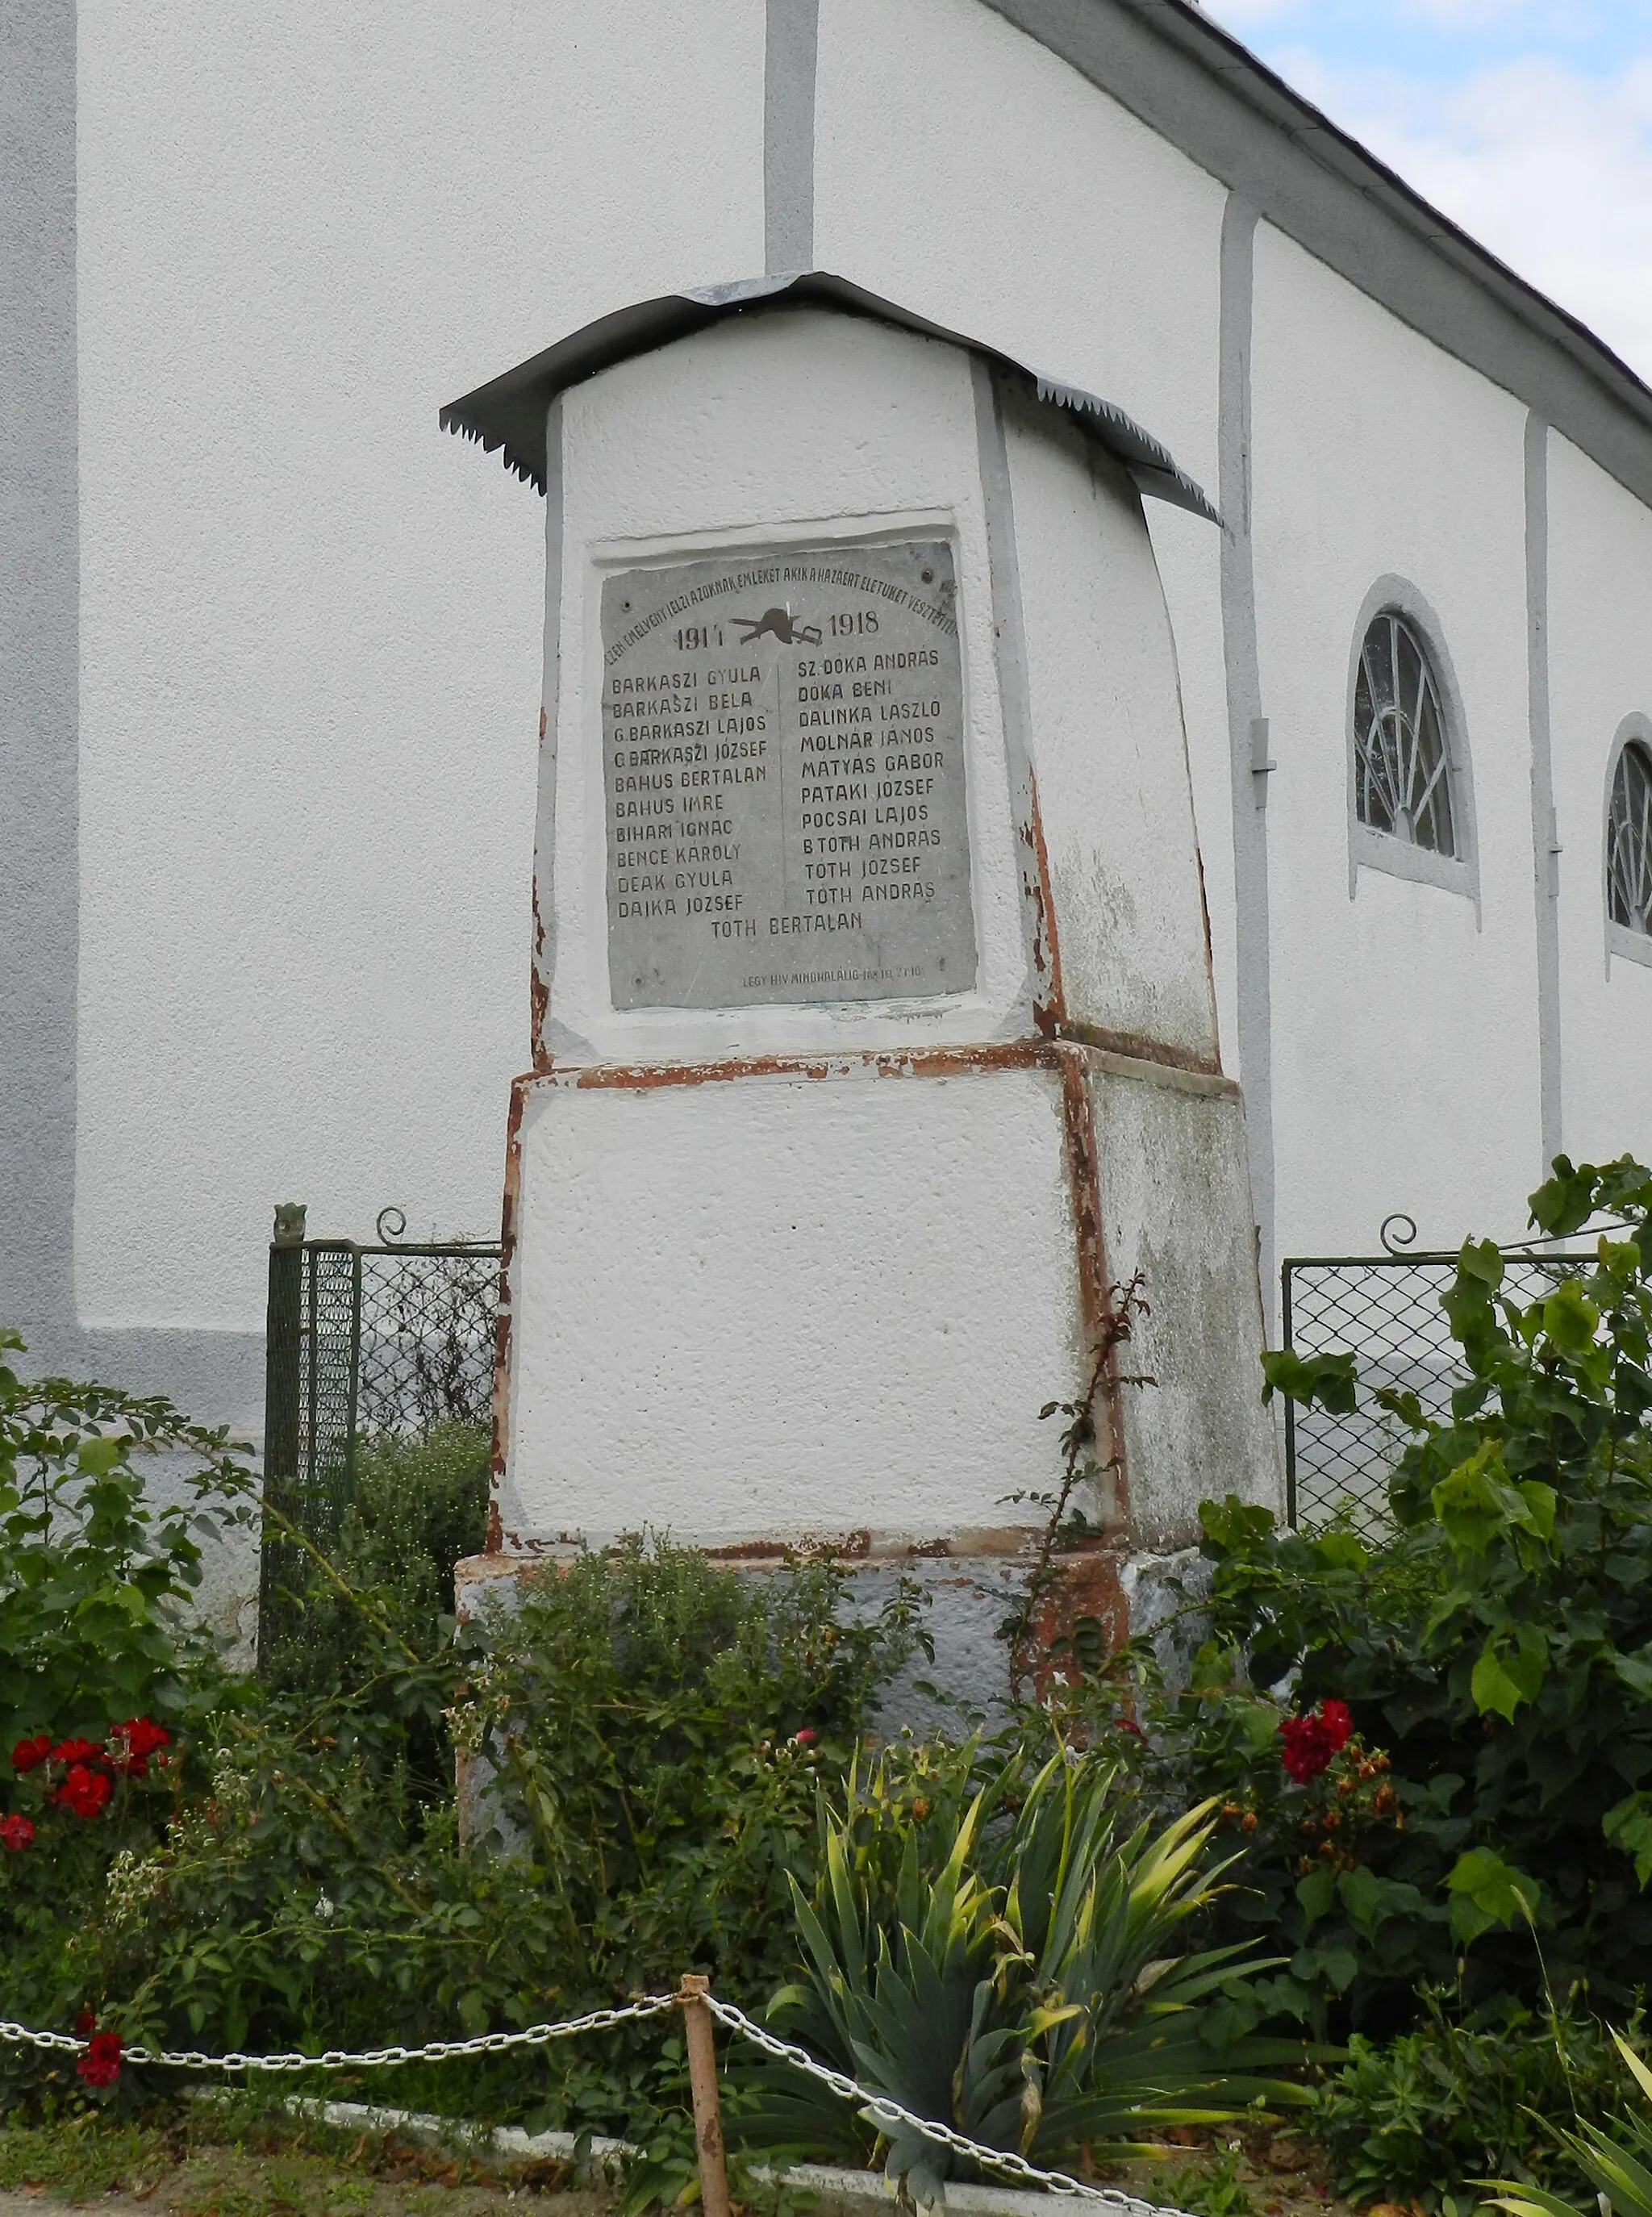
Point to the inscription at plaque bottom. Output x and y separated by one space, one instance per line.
783 759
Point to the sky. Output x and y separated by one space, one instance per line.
1529 122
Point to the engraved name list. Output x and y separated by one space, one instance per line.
783 752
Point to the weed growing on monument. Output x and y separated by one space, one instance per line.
1085 1476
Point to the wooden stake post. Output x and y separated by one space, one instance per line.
708 2110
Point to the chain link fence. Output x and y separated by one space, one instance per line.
1385 1310
363 1343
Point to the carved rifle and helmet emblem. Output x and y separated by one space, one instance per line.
777 623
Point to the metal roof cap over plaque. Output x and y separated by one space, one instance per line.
509 411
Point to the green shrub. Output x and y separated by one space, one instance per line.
1017 1968
1214 2190
1611 2157
1500 1646
420 1506
1436 2111
298 1879
94 1582
658 1726
1493 1655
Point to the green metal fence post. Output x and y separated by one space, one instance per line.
283 1336
1290 1405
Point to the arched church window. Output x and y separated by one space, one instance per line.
1401 754
1628 840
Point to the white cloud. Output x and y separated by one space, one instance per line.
1549 169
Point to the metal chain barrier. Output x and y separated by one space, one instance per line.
886 2112
339 2058
881 2108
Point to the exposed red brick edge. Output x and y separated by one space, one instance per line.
1050 1009
1095 1279
1041 1052
1135 1048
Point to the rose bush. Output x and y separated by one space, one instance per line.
95 1581
1310 1742
1499 1644
100 2064
1437 1743
278 1863
79 1775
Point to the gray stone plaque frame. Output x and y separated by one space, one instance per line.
784 786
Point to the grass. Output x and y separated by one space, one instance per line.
79 2157
243 2158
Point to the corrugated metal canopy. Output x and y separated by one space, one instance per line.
508 413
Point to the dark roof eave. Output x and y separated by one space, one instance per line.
509 411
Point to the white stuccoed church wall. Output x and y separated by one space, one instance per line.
1600 674
308 622
1406 1056
812 1270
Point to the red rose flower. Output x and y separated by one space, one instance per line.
1338 1723
1308 1748
29 1753
86 2024
77 1750
15 1833
101 2065
83 1792
807 1737
132 1743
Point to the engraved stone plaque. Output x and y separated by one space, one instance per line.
783 758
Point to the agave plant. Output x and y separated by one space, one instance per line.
1028 1993
1618 2164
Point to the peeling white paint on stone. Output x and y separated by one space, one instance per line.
763 1308
754 1303
791 430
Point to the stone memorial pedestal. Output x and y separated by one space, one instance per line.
873 1047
